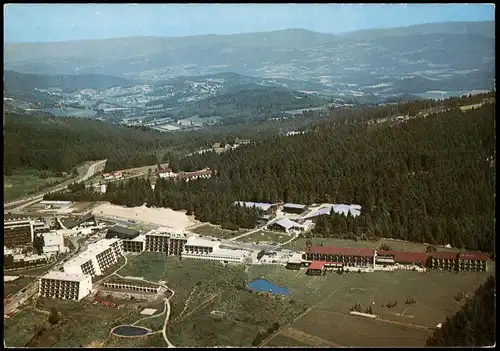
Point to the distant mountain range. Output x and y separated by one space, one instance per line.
442 56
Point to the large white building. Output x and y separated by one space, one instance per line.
96 258
67 286
166 240
203 249
53 243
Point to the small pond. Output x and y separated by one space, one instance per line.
263 285
130 330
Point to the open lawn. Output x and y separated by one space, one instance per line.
27 182
300 244
331 297
149 265
216 232
29 271
266 236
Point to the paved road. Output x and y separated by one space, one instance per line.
34 198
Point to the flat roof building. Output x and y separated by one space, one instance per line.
121 233
18 232
66 286
198 248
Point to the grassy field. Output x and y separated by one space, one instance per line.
210 286
332 296
217 232
154 340
12 287
28 182
265 236
300 244
21 327
150 265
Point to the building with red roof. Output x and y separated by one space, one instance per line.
316 268
443 260
350 257
472 261
164 172
187 176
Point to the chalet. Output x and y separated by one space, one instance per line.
316 268
165 173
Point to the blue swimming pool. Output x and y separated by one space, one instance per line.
263 285
130 330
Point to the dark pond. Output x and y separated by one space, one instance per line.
130 330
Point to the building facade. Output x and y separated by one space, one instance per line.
65 286
349 257
136 244
18 232
201 249
165 240
96 259
133 286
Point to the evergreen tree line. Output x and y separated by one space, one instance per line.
425 180
473 325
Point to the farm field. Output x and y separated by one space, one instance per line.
331 297
217 232
300 244
266 236
153 340
81 324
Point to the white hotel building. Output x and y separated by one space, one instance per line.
96 258
203 249
65 286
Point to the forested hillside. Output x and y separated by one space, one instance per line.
472 326
59 144
426 180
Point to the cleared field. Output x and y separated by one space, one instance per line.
265 236
29 182
159 216
333 295
300 244
217 232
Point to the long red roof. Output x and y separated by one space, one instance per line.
479 256
444 254
332 250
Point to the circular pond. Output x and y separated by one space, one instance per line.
130 331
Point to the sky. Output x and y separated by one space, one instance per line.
62 22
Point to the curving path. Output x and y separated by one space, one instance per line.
166 309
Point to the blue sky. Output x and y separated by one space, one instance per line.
59 22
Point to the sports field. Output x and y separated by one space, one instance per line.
331 297
266 236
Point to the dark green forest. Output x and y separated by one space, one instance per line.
473 325
426 180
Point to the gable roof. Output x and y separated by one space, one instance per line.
332 250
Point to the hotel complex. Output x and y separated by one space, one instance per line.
321 258
18 232
66 286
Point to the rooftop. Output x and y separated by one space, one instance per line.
317 264
444 255
123 231
480 256
286 223
196 241
332 250
230 252
299 206
71 277
52 238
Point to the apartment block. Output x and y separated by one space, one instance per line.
96 258
136 244
165 240
66 286
203 249
131 285
18 232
